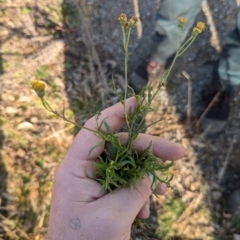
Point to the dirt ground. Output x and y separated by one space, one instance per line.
75 51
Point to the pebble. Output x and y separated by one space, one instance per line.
236 236
20 153
34 120
25 125
24 99
11 110
195 186
188 181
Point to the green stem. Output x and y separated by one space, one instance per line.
49 108
183 46
126 41
181 52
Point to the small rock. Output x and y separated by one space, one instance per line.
216 226
24 99
227 215
236 236
34 120
188 181
25 125
198 143
11 110
195 186
20 153
4 32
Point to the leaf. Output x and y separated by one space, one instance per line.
101 142
149 94
102 122
108 128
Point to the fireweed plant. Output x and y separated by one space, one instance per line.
120 165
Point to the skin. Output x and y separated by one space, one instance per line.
79 210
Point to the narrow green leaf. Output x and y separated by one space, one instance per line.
108 128
101 142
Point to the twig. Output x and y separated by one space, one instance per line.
215 42
21 232
226 162
209 107
55 134
191 208
189 105
137 14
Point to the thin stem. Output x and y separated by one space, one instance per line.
181 52
126 41
49 108
178 34
183 46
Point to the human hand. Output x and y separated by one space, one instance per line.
79 209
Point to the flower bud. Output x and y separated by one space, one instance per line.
38 87
181 22
122 18
133 21
198 28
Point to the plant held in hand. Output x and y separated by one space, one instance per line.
120 165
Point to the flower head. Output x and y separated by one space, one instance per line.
181 22
133 21
38 87
198 28
122 18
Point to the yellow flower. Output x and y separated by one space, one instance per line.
133 21
122 18
198 28
38 87
181 22
201 26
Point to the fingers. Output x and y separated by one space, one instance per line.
161 189
145 210
126 202
86 140
160 147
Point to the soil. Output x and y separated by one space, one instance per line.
75 51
